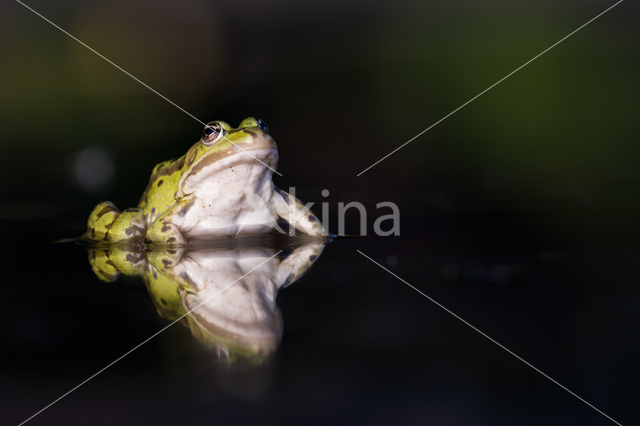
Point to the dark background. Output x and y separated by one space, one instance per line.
518 213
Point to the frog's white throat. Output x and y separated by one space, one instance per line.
229 184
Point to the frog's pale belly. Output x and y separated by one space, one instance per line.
202 224
245 203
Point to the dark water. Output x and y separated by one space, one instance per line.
357 343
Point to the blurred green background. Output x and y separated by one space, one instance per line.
341 84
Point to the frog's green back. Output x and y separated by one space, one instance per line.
161 190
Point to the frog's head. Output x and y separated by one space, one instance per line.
245 153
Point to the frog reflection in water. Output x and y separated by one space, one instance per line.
234 316
221 187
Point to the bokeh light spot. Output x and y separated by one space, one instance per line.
93 169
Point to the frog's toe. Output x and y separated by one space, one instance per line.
164 232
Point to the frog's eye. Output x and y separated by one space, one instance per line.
262 125
212 133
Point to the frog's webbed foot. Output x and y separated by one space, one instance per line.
106 223
162 231
166 229
298 215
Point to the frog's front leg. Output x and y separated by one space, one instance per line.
298 215
168 227
106 223
298 262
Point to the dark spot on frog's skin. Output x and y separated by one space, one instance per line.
155 273
312 218
106 209
164 302
166 262
135 258
169 170
171 251
160 182
244 285
192 158
161 172
313 257
187 278
183 211
170 240
165 227
134 230
110 263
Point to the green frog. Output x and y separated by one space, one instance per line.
221 187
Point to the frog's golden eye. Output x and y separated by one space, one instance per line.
262 125
212 133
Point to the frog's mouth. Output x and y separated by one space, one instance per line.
258 158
